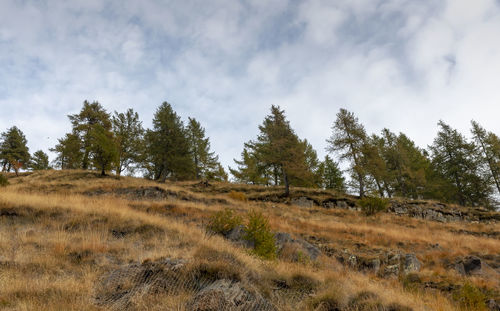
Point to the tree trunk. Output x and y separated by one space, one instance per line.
287 184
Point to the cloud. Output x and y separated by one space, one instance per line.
397 64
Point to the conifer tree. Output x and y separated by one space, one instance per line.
249 170
69 152
14 152
103 150
167 145
83 123
206 163
348 140
489 147
129 138
39 161
456 161
331 175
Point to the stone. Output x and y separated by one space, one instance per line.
227 296
493 305
236 235
284 239
411 264
303 202
392 270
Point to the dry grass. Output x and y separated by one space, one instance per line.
56 243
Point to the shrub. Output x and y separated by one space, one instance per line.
237 195
258 232
224 221
3 180
470 298
373 205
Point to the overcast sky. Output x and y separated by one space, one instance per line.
397 64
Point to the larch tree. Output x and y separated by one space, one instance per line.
206 163
249 170
167 145
348 140
489 147
331 175
69 152
14 152
39 161
103 150
129 138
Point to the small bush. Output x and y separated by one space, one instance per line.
224 221
3 180
258 231
470 298
373 205
237 195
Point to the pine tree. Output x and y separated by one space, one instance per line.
69 152
14 152
103 150
39 161
249 170
168 154
457 162
348 139
90 115
206 163
129 138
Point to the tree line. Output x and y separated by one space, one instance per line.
453 169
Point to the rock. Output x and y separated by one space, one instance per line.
301 247
227 296
236 235
392 270
411 264
470 265
393 259
303 202
493 305
352 261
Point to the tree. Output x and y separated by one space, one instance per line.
90 115
39 161
489 146
69 152
331 175
457 162
278 147
14 152
168 154
348 139
249 170
206 163
103 150
129 138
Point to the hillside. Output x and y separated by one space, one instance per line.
72 240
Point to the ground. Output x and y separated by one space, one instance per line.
72 240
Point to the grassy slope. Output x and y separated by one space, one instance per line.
56 242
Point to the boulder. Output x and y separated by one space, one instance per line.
411 264
303 202
301 247
470 265
236 235
226 295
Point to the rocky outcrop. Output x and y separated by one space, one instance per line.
297 247
470 265
226 295
303 202
411 264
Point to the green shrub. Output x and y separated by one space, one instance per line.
372 205
258 232
3 180
237 195
470 298
224 221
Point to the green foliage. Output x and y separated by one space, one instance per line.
69 153
167 145
206 163
258 232
3 181
14 152
39 161
249 170
103 149
331 175
224 221
470 298
373 205
129 140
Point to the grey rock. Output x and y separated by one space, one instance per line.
227 296
303 202
283 239
470 265
411 264
237 235
493 305
392 270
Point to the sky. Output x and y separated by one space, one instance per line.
402 65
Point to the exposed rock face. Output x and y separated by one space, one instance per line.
227 296
236 235
301 247
339 203
469 265
303 202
